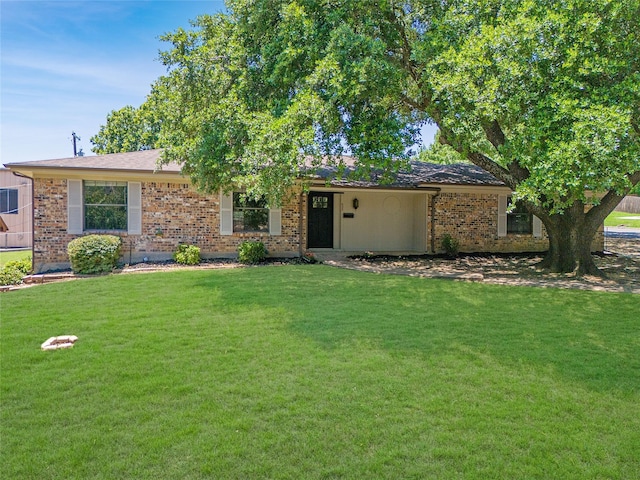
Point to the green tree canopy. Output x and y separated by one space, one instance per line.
440 152
127 130
544 94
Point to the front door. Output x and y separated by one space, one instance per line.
320 219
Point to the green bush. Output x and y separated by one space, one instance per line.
94 253
13 272
450 245
187 254
251 252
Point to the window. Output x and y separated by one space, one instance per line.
8 200
105 205
519 220
320 202
249 214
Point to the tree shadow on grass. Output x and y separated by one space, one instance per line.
587 337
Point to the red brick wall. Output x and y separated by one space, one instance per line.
472 219
176 213
171 214
50 236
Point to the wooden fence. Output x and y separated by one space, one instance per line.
629 204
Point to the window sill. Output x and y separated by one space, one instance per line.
251 234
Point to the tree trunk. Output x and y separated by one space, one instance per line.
570 236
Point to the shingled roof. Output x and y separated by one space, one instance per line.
141 161
420 174
146 161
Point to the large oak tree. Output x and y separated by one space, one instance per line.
544 94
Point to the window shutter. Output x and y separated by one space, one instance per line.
75 220
226 214
134 208
502 215
275 221
537 227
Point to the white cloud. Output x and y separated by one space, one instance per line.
128 76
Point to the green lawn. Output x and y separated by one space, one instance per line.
11 255
311 372
615 219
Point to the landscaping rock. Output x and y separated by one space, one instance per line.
61 341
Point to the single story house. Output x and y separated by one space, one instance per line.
15 210
154 211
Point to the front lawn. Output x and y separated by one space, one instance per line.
309 372
13 255
616 219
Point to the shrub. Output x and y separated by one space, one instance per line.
450 245
94 253
13 272
251 252
187 254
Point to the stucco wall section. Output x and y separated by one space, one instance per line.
171 214
19 223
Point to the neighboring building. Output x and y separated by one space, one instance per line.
16 212
629 204
153 211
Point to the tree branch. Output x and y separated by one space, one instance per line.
494 133
493 168
479 159
407 64
518 171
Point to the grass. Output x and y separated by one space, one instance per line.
11 255
318 373
616 219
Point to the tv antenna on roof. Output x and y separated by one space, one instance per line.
75 138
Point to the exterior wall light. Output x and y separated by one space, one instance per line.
356 203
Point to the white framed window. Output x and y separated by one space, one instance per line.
105 205
518 221
249 214
242 214
9 200
97 205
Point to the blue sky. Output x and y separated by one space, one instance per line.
66 64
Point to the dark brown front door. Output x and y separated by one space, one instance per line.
320 218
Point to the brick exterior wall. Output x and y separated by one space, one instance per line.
177 213
472 219
172 213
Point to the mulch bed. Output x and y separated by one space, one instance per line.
621 265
